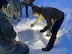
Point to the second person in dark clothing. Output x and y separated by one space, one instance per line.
54 19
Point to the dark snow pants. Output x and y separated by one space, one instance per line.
26 6
55 29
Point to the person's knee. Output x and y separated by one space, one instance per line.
24 47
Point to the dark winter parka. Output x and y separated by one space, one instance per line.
48 13
7 34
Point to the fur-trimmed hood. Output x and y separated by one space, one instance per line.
36 9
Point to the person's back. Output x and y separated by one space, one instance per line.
51 13
8 44
7 34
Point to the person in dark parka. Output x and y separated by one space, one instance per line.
27 3
8 44
54 19
13 8
17 5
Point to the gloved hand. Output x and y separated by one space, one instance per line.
42 31
32 25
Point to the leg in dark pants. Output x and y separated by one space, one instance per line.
45 28
55 29
26 6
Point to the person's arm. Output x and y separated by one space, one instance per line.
48 26
38 20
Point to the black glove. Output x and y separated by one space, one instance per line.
32 25
42 31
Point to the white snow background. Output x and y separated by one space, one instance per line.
36 40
